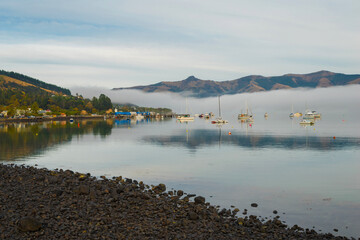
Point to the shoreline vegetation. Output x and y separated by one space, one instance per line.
37 203
44 119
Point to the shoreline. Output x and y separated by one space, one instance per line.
48 119
37 203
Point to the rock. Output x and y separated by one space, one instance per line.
160 188
29 224
83 189
93 194
180 193
336 230
254 204
199 200
193 216
275 212
57 193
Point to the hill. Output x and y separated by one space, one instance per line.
25 82
206 88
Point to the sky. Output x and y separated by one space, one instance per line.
116 43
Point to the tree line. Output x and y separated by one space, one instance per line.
14 96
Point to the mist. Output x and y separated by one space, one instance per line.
344 99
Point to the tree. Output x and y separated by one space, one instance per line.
35 108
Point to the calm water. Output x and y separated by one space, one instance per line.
300 171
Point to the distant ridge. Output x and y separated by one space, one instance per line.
254 83
26 81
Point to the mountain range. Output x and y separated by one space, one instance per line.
195 87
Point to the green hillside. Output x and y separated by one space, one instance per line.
35 82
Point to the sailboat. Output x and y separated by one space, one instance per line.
219 120
246 116
185 117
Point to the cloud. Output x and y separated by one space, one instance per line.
131 43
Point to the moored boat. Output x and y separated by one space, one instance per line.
306 122
245 116
219 120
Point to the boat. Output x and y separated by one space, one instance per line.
297 114
245 116
311 115
219 120
71 120
306 122
266 115
185 117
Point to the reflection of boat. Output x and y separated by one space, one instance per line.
245 116
219 120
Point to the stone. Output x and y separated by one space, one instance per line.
83 189
180 193
193 216
29 224
254 204
199 200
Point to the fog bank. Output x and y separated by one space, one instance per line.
343 98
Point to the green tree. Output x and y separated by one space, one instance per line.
35 108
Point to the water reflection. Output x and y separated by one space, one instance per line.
205 137
26 139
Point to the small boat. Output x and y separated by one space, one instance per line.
297 114
219 120
266 115
71 120
246 115
311 115
306 122
185 117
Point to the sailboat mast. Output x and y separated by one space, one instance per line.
247 111
219 106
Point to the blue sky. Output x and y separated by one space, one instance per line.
125 43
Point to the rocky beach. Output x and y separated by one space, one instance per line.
37 203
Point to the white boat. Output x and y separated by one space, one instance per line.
306 122
246 115
71 120
311 115
219 120
185 117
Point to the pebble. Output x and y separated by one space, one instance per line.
62 204
29 224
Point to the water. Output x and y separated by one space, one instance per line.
303 172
